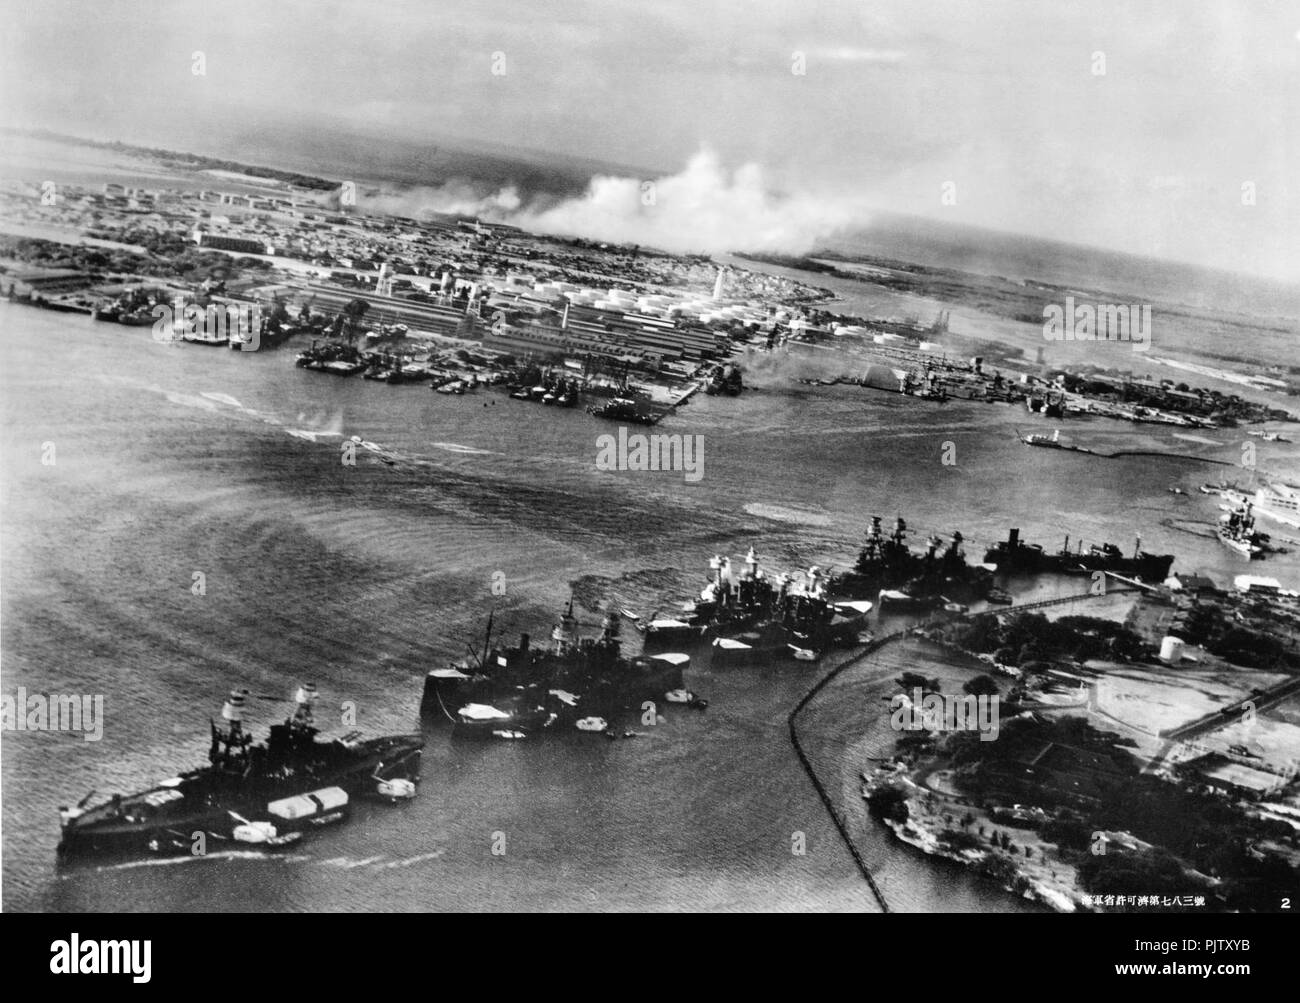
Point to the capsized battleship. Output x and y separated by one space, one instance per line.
263 794
512 692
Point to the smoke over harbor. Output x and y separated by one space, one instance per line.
704 208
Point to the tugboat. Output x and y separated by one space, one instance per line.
528 690
260 793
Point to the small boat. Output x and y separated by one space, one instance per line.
999 597
897 599
592 724
729 651
396 789
679 696
803 654
513 735
670 631
262 834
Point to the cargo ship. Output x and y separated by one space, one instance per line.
1015 556
1108 557
258 794
513 692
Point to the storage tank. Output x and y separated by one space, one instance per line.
1171 649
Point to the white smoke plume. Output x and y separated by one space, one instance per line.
701 209
454 198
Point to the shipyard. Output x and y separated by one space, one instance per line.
564 461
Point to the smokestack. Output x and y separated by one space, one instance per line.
523 644
1013 538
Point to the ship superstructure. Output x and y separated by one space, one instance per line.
261 793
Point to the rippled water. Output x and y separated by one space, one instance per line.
177 460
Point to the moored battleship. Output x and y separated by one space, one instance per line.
510 692
250 793
757 614
1237 532
888 570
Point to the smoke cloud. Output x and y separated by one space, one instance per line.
454 198
701 209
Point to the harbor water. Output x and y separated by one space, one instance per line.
179 519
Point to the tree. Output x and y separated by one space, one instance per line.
981 686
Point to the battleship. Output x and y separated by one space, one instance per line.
1237 532
891 572
755 614
513 692
259 794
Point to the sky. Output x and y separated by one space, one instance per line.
1130 126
